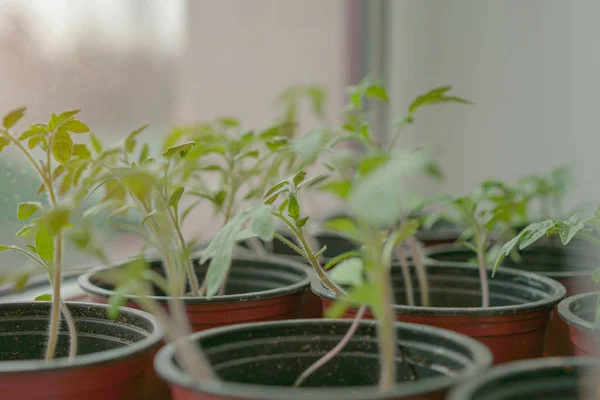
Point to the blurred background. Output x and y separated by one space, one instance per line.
529 67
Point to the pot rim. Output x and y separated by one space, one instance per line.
94 359
584 273
566 314
465 390
553 298
86 284
163 364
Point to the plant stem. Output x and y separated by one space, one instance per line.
417 256
387 333
193 280
311 257
410 296
56 301
72 330
485 290
335 351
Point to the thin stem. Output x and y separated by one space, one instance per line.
311 257
193 280
417 256
485 290
56 301
335 351
72 330
291 245
192 359
387 333
410 296
257 246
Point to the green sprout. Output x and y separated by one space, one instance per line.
60 169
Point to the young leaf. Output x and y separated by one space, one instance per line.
309 146
44 245
115 303
263 222
176 196
377 91
13 117
81 151
75 126
96 145
62 147
596 275
340 188
130 140
43 297
26 210
342 225
182 147
148 216
3 142
299 177
348 272
293 207
56 220
301 222
144 153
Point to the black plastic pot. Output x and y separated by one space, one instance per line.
336 245
261 362
514 325
572 266
552 378
579 313
114 358
257 290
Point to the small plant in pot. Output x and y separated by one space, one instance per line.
362 279
53 349
576 311
154 190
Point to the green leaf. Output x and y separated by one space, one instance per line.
348 272
309 146
24 231
263 222
220 197
176 196
81 151
144 153
371 163
535 231
34 141
341 257
4 248
299 177
377 91
96 145
247 154
570 229
130 141
139 182
3 142
43 297
56 220
301 222
75 126
182 147
62 147
315 180
434 96
13 117
339 188
26 210
596 275
276 143
342 225
293 207
275 188
365 294
44 245
115 303
21 281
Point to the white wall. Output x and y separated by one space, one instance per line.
531 68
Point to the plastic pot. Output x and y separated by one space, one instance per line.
336 245
542 379
442 232
257 290
579 312
514 325
114 358
261 362
572 266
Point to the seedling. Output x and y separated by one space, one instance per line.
60 169
574 227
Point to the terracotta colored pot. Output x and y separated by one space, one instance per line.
541 379
114 358
257 290
261 362
572 266
578 312
513 327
